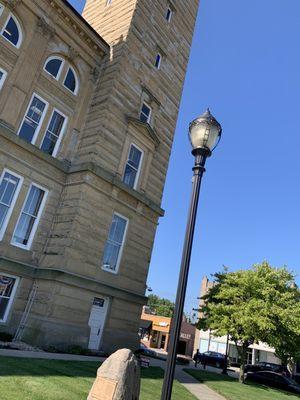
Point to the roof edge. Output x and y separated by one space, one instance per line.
96 35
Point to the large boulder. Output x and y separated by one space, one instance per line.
118 378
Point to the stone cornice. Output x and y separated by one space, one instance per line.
8 133
11 4
116 181
44 28
145 128
79 25
69 278
151 95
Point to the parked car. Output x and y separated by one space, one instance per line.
145 351
212 358
265 366
274 380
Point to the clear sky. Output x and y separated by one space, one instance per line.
245 65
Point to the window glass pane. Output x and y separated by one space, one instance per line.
145 113
169 15
129 176
6 288
23 230
132 166
33 201
135 156
157 61
70 81
114 242
3 306
11 31
8 187
28 216
53 67
53 132
3 213
32 119
117 229
1 75
111 253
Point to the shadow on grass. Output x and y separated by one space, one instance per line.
13 366
207 376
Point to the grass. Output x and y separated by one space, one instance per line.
33 379
231 389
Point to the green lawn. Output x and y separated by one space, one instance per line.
32 379
232 390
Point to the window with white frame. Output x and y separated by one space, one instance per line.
8 287
10 185
54 133
158 61
133 166
3 75
54 66
70 81
108 2
115 243
33 119
169 14
145 115
29 217
11 31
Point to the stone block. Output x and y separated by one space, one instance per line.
118 378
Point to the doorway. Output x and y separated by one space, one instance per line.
181 348
163 342
97 321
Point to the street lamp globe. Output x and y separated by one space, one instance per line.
205 133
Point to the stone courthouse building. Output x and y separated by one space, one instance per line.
88 107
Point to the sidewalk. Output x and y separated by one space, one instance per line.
199 390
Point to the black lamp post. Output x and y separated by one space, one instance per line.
204 133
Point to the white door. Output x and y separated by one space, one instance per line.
97 321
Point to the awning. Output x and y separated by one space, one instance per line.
145 324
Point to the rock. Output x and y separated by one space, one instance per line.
118 378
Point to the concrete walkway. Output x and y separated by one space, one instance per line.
199 390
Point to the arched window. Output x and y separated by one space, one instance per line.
54 66
71 81
12 31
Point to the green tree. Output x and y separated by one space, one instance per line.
250 305
286 337
160 306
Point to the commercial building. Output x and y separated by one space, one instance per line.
206 341
88 108
155 333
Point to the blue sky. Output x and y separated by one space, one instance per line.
245 65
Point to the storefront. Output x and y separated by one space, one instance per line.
154 332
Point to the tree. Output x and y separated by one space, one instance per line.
286 337
160 306
249 305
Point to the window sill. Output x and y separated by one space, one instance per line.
8 133
114 272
